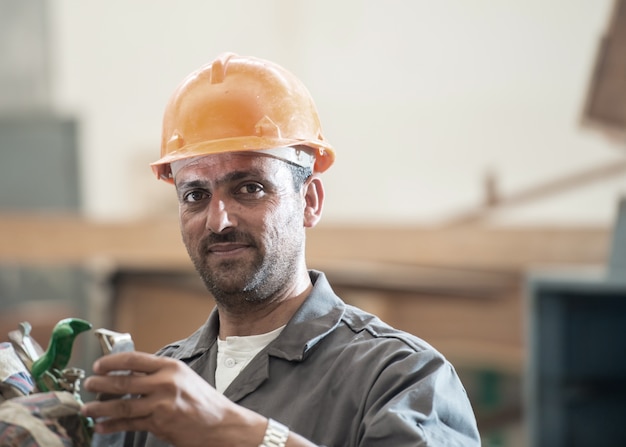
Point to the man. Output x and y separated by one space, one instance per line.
281 361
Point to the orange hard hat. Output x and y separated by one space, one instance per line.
240 103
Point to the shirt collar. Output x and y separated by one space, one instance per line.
317 317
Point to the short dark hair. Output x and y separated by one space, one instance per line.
299 175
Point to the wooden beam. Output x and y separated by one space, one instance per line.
62 239
473 246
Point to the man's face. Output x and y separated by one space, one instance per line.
242 224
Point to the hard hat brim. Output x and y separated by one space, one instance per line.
325 154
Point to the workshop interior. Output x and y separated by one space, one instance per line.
478 200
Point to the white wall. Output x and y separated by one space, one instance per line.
420 98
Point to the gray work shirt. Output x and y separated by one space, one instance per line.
340 377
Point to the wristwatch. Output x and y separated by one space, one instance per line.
276 434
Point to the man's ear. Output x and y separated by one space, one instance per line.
313 201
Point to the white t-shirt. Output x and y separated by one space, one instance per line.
234 353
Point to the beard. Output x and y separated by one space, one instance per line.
239 284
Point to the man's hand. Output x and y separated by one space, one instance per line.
169 400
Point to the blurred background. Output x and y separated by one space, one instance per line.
475 200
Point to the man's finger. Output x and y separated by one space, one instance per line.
119 385
123 425
129 361
127 408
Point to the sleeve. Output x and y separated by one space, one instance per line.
418 399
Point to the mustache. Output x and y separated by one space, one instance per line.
229 237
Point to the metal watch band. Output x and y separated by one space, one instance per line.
276 434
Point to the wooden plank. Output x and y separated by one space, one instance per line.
44 239
476 246
70 239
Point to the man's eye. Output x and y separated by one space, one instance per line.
194 196
250 188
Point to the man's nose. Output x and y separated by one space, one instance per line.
219 218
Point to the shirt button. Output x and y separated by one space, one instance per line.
230 362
